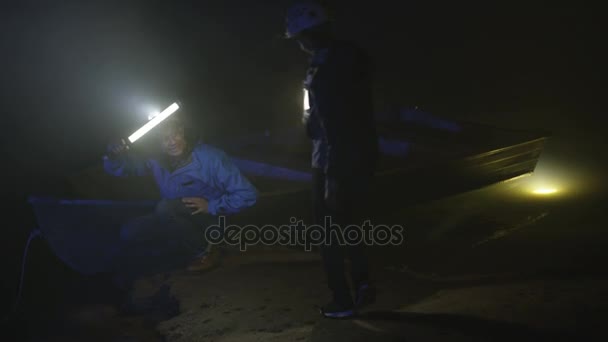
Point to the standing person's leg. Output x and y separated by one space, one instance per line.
333 254
359 213
333 262
318 196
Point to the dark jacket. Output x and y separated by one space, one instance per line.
342 110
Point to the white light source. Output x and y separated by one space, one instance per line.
153 115
153 122
306 101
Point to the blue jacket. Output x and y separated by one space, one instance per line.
211 175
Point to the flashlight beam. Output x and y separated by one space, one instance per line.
153 122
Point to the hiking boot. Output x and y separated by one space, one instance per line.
337 311
366 295
207 261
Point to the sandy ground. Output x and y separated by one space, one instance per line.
482 266
272 300
487 265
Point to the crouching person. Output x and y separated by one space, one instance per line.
198 183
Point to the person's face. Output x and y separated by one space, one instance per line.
174 141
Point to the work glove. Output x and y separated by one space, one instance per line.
117 148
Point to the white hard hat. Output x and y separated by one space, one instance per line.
304 16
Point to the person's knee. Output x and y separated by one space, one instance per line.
172 208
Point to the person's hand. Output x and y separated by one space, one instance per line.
200 205
117 148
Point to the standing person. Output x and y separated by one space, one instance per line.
341 126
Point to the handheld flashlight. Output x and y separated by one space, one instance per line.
154 120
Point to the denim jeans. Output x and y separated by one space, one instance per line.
351 208
162 241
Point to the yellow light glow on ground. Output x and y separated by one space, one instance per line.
544 191
536 185
553 179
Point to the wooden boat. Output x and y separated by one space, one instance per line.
421 160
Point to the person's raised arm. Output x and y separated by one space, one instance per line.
120 162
